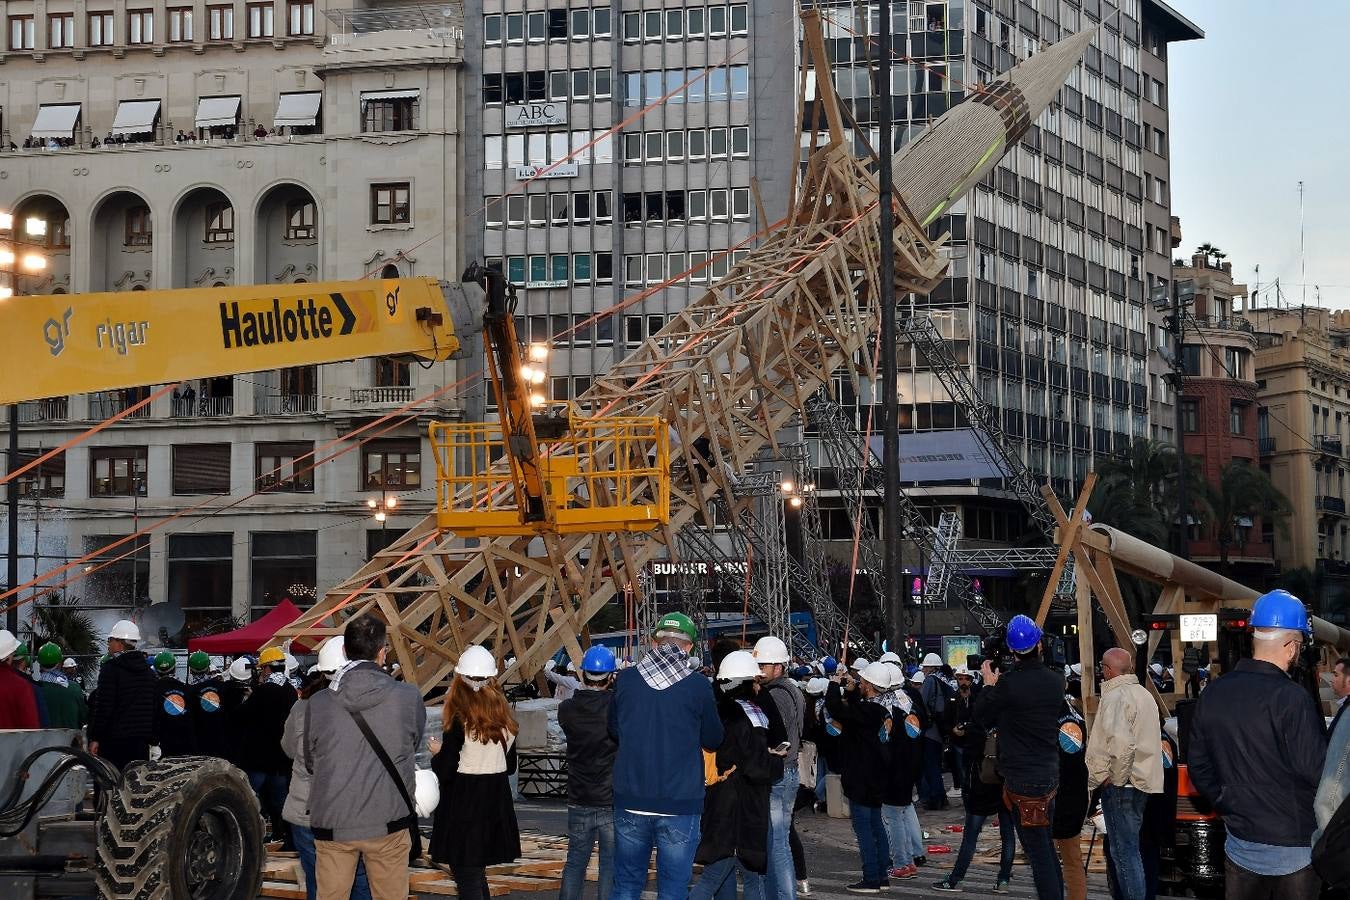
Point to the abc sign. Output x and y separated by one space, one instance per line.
531 115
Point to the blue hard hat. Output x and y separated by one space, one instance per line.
1023 634
599 660
1280 609
830 665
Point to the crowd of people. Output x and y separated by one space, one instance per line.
702 761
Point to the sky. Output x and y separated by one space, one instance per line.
1256 107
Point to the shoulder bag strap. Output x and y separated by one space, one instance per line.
384 759
309 757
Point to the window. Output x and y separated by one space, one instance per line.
140 26
180 24
219 223
285 467
259 19
47 480
201 575
100 29
1159 142
515 28
300 17
201 469
603 214
221 20
739 19
391 464
121 571
21 33
1236 413
138 231
392 373
380 113
390 204
61 30
740 141
300 218
557 24
284 567
1190 416
535 26
492 29
117 471
1190 359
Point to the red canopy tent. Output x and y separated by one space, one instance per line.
252 636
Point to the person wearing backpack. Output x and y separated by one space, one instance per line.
939 697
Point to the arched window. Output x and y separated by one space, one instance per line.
389 271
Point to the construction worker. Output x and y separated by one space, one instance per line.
564 684
772 655
740 776
66 706
18 708
236 688
22 663
122 723
206 700
71 670
175 730
663 714
584 719
265 712
937 694
905 747
1257 745
865 727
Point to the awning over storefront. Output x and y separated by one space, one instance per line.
136 117
213 112
56 120
299 109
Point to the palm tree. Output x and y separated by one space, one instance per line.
62 621
1242 492
1208 250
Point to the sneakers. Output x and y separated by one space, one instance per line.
803 888
920 861
954 794
947 885
902 872
863 887
1001 886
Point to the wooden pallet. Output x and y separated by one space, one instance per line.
538 870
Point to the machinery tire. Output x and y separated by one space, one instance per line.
184 827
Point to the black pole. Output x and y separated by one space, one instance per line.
890 364
1178 373
12 502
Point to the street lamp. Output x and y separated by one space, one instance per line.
382 507
12 267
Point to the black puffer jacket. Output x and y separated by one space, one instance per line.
863 759
127 699
736 810
264 714
1256 751
174 731
584 718
1025 707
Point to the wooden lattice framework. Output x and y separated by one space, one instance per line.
727 373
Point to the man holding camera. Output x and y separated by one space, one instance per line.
1024 706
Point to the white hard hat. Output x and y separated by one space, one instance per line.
476 662
932 660
859 663
817 685
770 650
1156 668
738 666
889 657
1076 669
125 630
963 671
70 664
332 654
241 669
878 674
917 677
426 792
8 644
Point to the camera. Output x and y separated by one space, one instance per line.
993 648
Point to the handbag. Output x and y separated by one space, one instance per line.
989 773
1032 812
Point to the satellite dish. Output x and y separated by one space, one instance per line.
161 624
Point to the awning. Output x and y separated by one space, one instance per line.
252 636
136 117
298 109
56 120
411 94
216 111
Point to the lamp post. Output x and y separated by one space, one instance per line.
382 507
12 265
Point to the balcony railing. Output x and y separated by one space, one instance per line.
286 405
382 396
202 407
107 405
1225 324
1331 505
1267 445
52 409
1329 443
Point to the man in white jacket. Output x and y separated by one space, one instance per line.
1124 755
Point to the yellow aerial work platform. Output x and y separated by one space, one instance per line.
599 474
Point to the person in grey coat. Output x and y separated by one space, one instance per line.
357 811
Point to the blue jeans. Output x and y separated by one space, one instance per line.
1123 808
304 846
904 833
719 879
271 790
780 879
675 839
871 835
821 771
587 826
971 837
931 790
1039 846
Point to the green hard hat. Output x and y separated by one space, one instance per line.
21 651
49 654
105 658
164 661
199 661
677 622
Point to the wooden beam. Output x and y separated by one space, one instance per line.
1068 537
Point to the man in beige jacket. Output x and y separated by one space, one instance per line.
1124 756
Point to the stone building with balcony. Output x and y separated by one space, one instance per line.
1303 429
205 144
1218 404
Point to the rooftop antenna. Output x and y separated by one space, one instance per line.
1302 256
